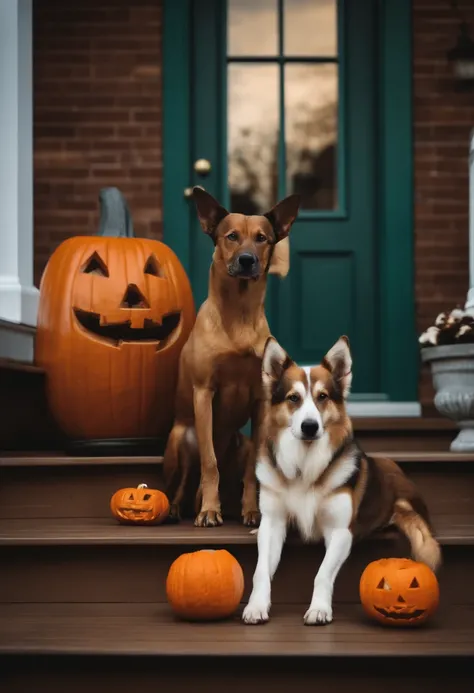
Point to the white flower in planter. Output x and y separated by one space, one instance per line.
454 327
430 336
441 319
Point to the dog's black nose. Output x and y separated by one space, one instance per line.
309 428
247 261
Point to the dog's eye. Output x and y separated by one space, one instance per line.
322 396
232 236
294 397
261 238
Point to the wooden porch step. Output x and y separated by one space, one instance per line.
152 629
27 422
59 486
51 459
450 530
56 459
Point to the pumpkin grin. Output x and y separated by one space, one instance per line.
130 513
124 332
401 615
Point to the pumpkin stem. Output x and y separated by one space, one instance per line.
142 486
115 218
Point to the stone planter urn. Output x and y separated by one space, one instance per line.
452 369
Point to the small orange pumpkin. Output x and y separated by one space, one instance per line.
205 585
399 591
139 506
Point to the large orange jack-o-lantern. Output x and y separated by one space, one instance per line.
399 591
114 314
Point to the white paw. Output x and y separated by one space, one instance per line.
318 614
255 613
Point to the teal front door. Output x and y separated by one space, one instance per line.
276 97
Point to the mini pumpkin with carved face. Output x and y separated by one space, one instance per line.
114 314
399 591
139 506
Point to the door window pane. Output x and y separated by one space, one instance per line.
252 27
252 136
311 124
283 111
310 27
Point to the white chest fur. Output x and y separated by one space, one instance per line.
303 482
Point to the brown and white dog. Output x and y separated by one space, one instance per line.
219 384
312 472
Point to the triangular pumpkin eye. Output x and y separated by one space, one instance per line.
414 583
383 585
130 496
95 265
147 496
152 267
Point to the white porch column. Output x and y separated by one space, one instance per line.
470 295
18 296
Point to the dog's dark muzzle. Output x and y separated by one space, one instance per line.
245 265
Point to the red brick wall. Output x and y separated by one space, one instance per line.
444 118
97 115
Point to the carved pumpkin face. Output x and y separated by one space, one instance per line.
399 591
124 294
114 315
139 506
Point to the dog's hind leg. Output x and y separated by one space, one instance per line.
178 459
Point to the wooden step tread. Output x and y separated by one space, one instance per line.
450 530
23 366
58 460
410 424
152 629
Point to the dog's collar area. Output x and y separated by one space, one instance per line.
342 448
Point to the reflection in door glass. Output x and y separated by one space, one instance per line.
311 124
282 103
252 132
252 27
310 27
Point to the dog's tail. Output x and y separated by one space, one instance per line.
411 517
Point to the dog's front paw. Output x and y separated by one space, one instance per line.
251 518
318 614
208 518
255 613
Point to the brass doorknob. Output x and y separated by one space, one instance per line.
202 167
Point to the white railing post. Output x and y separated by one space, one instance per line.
470 293
18 296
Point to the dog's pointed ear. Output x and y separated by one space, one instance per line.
282 216
210 212
338 360
274 362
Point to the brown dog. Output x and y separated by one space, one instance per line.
219 386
